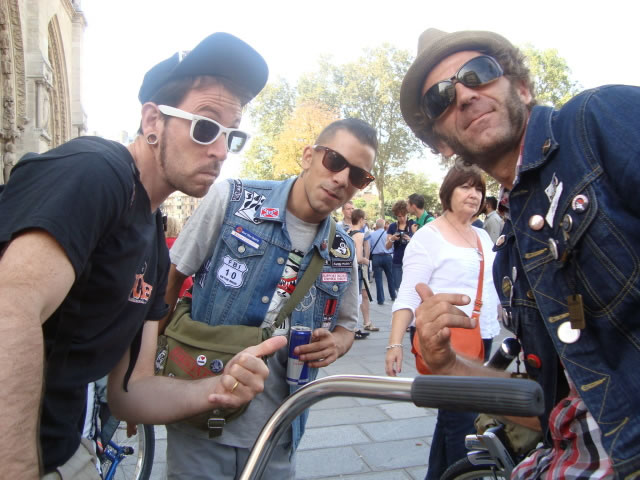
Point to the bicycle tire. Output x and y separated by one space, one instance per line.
138 465
463 469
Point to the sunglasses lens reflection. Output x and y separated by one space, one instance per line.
205 132
237 141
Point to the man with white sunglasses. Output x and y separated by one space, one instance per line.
568 257
269 231
83 265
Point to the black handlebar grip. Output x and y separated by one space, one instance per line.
505 396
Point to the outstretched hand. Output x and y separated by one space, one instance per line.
244 375
435 317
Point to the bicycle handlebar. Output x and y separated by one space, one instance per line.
504 396
479 394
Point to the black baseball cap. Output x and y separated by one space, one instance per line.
219 55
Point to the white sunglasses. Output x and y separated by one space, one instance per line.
206 131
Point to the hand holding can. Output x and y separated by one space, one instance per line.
297 370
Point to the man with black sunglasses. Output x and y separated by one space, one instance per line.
84 263
568 256
269 231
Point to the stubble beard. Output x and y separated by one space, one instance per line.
486 157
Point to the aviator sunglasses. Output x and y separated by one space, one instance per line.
334 162
476 72
206 131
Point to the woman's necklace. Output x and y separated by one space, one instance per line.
463 237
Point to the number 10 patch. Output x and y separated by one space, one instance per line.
231 273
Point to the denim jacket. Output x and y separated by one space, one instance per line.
580 176
235 286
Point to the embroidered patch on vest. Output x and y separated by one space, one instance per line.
237 191
269 212
335 277
231 273
245 236
250 206
340 248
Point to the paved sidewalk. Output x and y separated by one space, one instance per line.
358 438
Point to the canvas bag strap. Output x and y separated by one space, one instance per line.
477 305
306 281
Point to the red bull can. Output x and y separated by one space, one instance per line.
297 370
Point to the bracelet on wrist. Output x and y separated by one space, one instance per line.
393 345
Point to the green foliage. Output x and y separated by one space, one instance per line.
269 111
400 186
551 76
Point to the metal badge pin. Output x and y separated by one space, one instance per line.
566 334
534 361
507 289
546 146
536 222
567 223
553 248
500 240
580 203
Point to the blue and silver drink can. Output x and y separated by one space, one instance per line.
297 370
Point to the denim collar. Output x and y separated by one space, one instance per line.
277 199
539 139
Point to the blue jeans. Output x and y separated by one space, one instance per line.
382 262
447 446
397 276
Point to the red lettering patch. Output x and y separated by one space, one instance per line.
187 364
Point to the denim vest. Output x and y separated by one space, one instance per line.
578 174
235 286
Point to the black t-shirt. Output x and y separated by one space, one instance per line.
400 245
87 194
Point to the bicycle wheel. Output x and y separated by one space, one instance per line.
463 469
137 465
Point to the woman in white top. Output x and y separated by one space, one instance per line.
444 254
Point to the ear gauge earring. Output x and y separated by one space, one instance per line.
152 139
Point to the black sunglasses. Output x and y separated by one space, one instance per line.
334 162
476 72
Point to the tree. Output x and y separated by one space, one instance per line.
268 111
369 89
551 76
400 186
301 129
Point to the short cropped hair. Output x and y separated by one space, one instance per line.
360 129
461 174
417 200
399 208
492 202
357 215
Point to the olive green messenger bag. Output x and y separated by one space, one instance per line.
192 350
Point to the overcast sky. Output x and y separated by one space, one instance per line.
123 39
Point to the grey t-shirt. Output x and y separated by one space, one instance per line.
192 248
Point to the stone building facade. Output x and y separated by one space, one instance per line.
180 206
40 73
